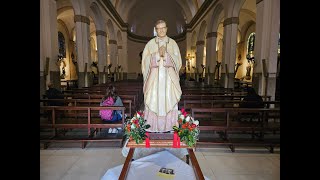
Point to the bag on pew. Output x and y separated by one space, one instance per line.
109 115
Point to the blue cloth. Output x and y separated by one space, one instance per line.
116 117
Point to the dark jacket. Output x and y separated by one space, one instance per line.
252 100
53 93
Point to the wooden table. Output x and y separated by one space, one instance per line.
160 140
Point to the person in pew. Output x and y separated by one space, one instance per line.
252 100
111 99
53 93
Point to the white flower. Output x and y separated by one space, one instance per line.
196 122
133 126
179 112
134 118
182 116
188 118
138 116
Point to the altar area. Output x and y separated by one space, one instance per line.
148 167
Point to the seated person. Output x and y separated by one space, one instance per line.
53 93
111 99
252 100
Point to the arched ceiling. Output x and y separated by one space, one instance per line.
142 14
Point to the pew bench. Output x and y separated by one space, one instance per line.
127 103
225 121
64 118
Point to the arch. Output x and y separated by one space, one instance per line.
79 7
97 16
235 7
216 18
245 28
202 31
119 38
64 9
110 29
186 10
193 38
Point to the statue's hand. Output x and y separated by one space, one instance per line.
162 51
168 63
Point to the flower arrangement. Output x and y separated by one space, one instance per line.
135 128
188 128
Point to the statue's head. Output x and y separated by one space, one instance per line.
161 28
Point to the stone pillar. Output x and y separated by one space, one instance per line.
113 55
102 54
266 46
199 58
229 49
193 62
120 62
113 52
82 24
211 55
49 44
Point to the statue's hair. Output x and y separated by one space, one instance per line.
159 22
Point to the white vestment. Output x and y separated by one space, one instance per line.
162 92
161 88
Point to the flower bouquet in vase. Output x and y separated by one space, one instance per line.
188 128
135 128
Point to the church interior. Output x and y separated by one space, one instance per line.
226 47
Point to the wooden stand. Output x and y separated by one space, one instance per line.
160 140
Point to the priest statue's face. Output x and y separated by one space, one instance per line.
161 29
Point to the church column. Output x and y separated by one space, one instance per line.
229 50
124 56
113 54
102 54
199 59
83 49
49 45
211 55
266 46
194 53
120 61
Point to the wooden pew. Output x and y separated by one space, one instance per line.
88 102
188 104
226 120
134 106
70 117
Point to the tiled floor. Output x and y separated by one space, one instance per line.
67 161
